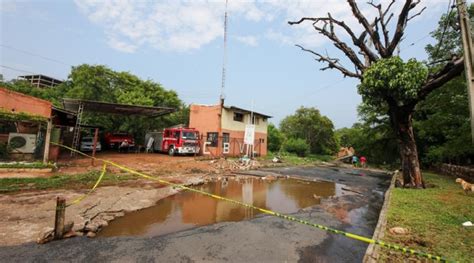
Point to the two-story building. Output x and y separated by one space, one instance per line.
222 129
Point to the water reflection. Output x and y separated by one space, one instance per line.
187 209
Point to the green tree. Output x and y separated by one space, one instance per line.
308 124
275 138
393 86
100 83
297 146
442 120
375 44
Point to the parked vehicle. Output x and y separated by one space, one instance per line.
87 144
173 141
114 140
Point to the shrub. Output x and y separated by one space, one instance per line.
297 146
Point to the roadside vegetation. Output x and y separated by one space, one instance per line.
33 165
433 217
291 159
61 181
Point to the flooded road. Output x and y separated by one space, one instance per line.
232 238
186 210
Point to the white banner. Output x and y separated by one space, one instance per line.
249 136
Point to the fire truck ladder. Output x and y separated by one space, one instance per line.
77 128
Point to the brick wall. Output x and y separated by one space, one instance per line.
457 171
11 101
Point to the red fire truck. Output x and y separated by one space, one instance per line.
173 141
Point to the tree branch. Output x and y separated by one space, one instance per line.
332 63
401 25
357 41
382 21
437 80
374 35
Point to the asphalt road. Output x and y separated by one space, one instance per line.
262 239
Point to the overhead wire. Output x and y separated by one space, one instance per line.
36 55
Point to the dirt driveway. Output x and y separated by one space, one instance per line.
154 163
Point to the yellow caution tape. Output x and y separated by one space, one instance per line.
92 189
265 211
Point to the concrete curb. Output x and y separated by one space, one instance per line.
372 252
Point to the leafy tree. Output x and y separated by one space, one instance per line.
51 94
442 120
275 138
442 125
100 83
308 124
297 146
374 44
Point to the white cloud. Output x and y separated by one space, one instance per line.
247 40
189 25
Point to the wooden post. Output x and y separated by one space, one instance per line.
96 134
60 217
468 56
47 141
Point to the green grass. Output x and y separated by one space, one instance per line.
433 217
292 159
34 165
86 180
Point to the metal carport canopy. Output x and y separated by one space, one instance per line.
115 108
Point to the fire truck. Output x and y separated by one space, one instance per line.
173 141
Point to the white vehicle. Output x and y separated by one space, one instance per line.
87 144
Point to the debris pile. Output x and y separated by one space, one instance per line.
345 151
228 165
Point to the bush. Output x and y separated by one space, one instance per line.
297 146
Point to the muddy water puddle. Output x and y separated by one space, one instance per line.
186 209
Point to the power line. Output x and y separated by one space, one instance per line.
415 42
447 22
16 69
24 71
36 55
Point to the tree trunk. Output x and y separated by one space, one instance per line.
401 119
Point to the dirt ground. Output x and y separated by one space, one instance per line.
153 163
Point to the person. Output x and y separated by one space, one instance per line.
355 160
363 161
123 146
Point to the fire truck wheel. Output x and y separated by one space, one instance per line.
171 151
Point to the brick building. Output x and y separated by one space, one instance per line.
222 129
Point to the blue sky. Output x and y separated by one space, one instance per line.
179 44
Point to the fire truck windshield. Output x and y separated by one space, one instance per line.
189 135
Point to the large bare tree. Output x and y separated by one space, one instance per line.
374 43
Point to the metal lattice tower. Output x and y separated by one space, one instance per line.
224 60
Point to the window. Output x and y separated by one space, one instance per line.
238 116
213 138
256 120
225 138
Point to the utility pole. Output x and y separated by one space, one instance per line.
465 23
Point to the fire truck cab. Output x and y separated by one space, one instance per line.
173 141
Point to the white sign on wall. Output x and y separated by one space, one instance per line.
249 136
226 147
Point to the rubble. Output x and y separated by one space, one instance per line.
228 165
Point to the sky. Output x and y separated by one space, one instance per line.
180 45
